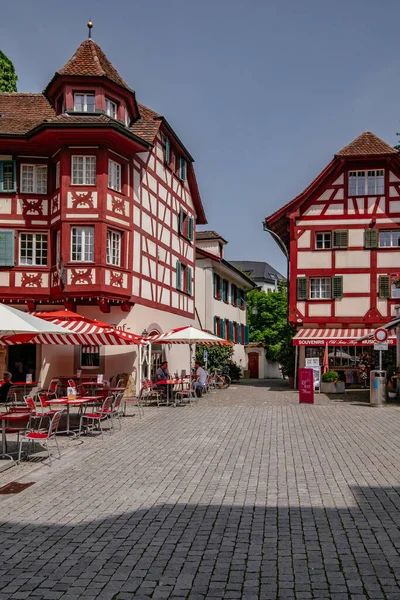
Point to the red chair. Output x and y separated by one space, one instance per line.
43 437
116 410
104 414
43 399
30 403
21 426
52 390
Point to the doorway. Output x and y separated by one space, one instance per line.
253 364
22 362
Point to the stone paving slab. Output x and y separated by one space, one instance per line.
245 495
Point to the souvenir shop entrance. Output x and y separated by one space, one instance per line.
352 359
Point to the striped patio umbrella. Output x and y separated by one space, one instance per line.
188 335
78 331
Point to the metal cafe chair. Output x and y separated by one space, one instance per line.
42 437
104 414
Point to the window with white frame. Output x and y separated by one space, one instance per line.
111 108
83 170
395 291
57 181
82 244
84 102
114 175
33 249
366 183
320 287
323 240
34 179
389 239
114 248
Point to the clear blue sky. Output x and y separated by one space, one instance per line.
262 93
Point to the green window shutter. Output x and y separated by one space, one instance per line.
223 328
384 286
302 288
233 294
214 285
182 169
231 331
191 229
167 155
1 176
340 238
7 245
181 219
178 275
337 286
239 333
246 334
215 325
189 281
221 288
371 238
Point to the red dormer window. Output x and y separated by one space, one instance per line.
84 102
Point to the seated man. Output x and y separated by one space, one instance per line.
5 387
201 379
162 374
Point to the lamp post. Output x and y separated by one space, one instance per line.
144 354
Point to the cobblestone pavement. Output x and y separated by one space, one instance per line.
245 495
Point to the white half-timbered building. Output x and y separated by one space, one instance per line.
343 236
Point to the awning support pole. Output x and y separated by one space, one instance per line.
295 366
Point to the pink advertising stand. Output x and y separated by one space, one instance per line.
306 386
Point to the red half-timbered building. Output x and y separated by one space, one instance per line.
343 237
98 202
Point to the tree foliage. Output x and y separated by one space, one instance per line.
218 356
267 317
8 77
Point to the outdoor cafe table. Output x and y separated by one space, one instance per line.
78 401
14 418
169 383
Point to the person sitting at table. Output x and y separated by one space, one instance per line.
162 374
201 379
5 387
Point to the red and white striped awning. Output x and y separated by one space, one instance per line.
188 335
337 337
80 331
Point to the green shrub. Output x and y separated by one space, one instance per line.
330 376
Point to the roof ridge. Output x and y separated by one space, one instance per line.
21 94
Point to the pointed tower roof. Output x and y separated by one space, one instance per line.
367 144
90 61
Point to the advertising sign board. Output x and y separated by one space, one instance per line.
306 386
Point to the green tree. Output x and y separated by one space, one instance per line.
8 77
267 318
218 356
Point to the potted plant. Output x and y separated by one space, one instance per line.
330 383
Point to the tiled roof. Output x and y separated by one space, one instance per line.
148 125
209 235
367 144
259 271
21 112
90 61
